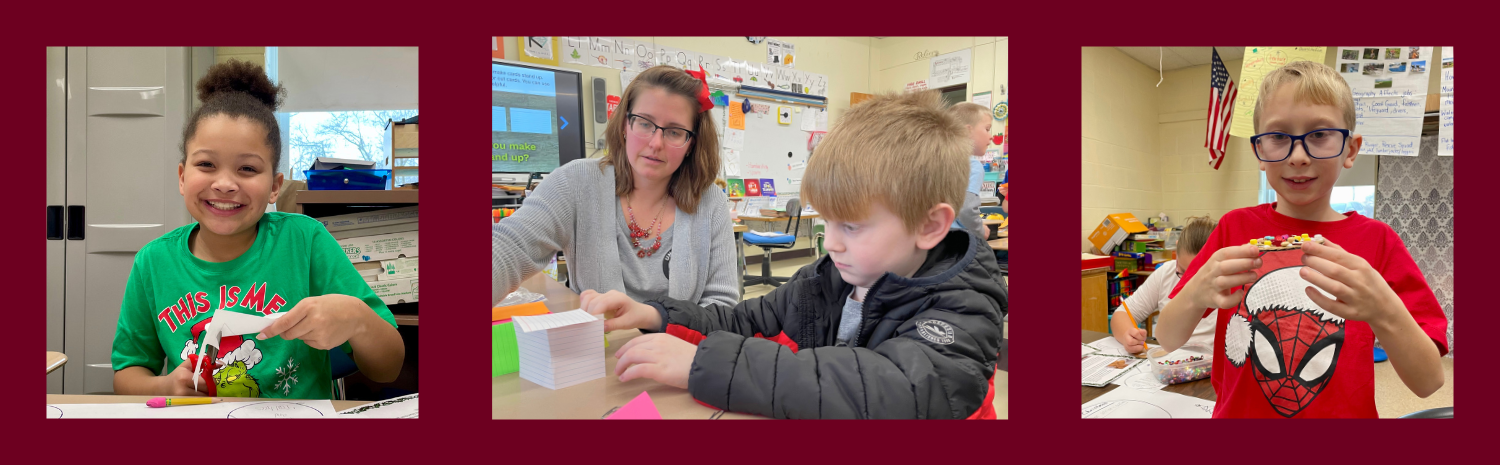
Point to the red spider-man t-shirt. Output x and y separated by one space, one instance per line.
1280 356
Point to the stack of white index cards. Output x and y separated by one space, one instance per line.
560 349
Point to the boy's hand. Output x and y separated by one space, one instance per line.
1226 270
179 382
628 314
661 357
323 322
1362 293
1134 340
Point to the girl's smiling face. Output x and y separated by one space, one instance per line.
227 179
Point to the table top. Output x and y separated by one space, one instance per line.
55 360
1000 244
805 216
1202 389
513 397
741 228
338 405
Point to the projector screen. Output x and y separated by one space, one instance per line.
536 117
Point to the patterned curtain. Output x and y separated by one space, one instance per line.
1414 195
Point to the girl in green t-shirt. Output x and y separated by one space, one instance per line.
238 258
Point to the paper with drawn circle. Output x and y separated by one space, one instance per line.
1125 409
276 410
54 412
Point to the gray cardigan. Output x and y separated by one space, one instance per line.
573 211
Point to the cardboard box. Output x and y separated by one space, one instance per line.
370 219
380 247
1091 261
369 270
400 266
1113 230
396 291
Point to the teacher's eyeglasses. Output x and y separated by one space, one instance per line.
673 137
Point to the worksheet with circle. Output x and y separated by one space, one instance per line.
259 409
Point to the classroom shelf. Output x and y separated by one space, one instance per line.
380 197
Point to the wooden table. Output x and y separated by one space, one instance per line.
55 360
338 405
1000 244
513 397
1202 389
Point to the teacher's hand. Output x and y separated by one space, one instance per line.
627 312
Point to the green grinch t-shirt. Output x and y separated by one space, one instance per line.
171 296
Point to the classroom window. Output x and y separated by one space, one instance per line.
1360 199
356 135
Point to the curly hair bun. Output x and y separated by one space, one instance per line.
239 76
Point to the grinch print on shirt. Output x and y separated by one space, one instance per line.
1292 344
237 355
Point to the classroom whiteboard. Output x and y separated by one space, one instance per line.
771 150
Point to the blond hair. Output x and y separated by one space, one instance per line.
1315 82
904 151
969 114
700 166
1195 234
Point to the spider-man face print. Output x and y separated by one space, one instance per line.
1292 344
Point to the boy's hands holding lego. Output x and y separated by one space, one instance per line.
179 382
627 313
661 357
1359 292
323 322
1217 283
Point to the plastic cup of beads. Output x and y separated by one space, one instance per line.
1191 362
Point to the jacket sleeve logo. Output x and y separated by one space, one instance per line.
939 332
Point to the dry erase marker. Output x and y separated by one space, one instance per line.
161 402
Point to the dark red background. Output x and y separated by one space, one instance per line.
1044 83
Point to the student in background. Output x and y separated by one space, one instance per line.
977 126
238 258
1308 353
646 220
1152 294
900 320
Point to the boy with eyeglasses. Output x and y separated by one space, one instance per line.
1306 350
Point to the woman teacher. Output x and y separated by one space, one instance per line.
646 220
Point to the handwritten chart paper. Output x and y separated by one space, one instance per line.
949 69
1390 95
1445 111
264 409
1137 403
560 349
1257 62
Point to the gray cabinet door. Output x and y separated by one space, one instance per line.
125 110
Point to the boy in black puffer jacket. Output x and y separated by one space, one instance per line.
902 319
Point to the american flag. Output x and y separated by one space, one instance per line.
1221 94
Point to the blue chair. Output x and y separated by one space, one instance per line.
341 365
769 244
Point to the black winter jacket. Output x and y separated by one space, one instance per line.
926 346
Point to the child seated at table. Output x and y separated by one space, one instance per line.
900 320
1151 296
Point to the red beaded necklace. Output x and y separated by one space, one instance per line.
636 233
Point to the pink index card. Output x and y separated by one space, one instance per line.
640 408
